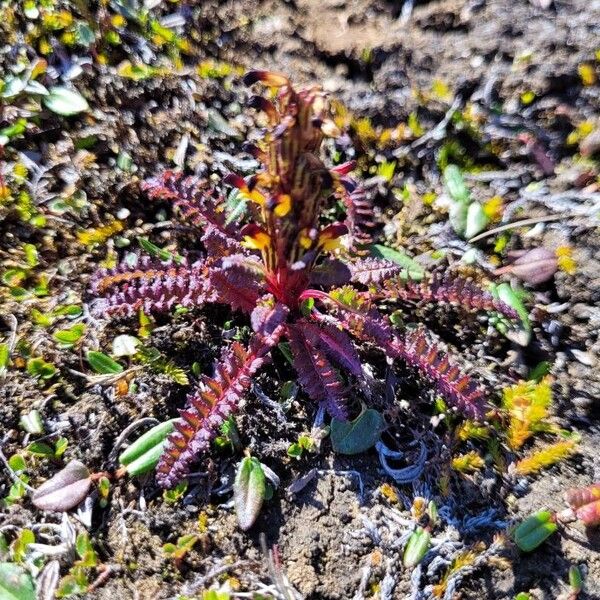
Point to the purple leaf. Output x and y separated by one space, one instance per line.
373 270
195 198
235 286
316 374
65 490
210 405
336 344
151 285
331 273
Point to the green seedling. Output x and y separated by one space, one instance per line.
44 450
534 530
249 491
142 456
103 364
416 548
183 545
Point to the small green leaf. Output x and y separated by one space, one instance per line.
575 579
60 446
103 364
84 34
31 254
17 463
85 550
294 450
40 449
455 184
16 583
40 318
124 161
539 371
19 546
354 437
174 495
289 390
284 347
69 337
416 548
476 220
64 101
512 297
68 310
155 250
38 367
534 530
413 270
248 491
4 356
144 449
14 277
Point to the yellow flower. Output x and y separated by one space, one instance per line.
284 205
564 254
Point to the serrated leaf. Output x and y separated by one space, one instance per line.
414 270
64 101
354 437
16 583
103 364
64 490
248 491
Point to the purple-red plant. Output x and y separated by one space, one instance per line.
287 258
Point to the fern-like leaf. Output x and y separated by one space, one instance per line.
150 285
449 289
359 212
316 374
331 273
236 286
196 200
373 270
420 353
217 397
336 344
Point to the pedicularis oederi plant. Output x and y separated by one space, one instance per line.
284 268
